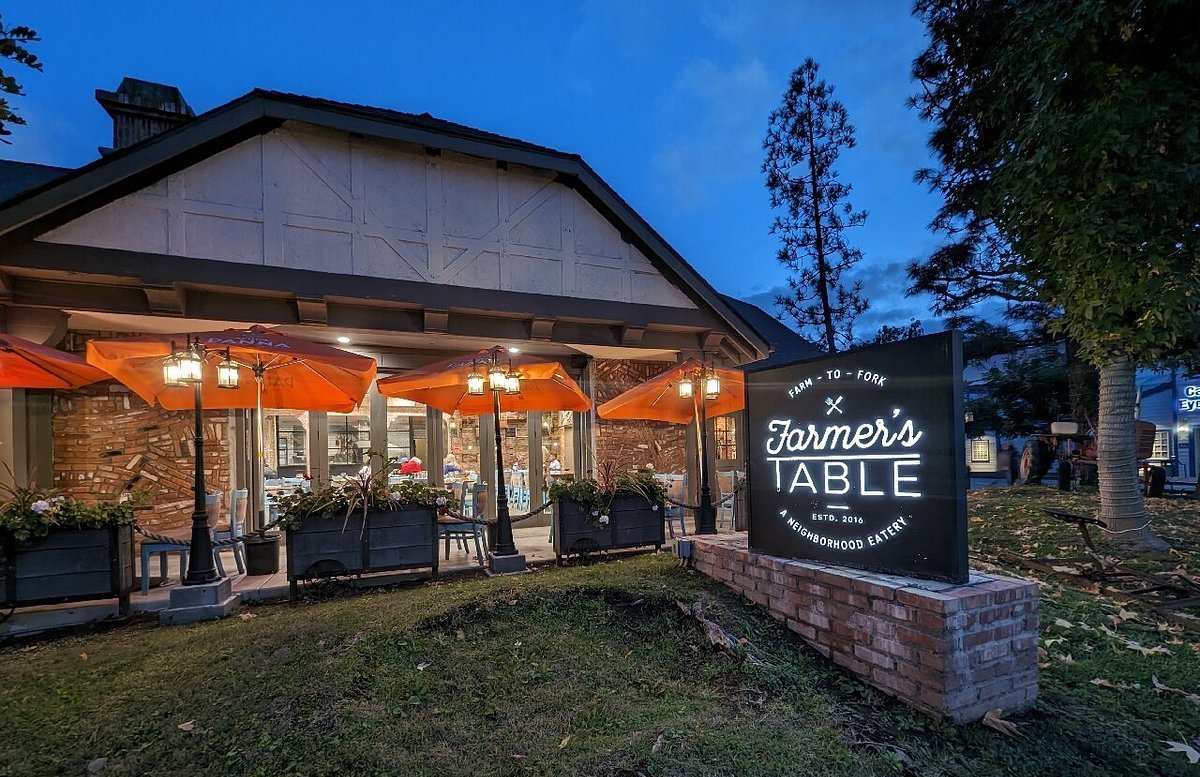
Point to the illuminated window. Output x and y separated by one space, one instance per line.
725 429
981 449
406 430
1162 444
350 439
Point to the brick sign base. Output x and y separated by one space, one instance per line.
954 651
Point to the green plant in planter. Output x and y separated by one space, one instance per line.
28 513
596 496
362 493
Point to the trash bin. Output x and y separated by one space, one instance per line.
262 553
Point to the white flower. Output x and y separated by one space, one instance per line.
604 520
441 501
395 496
40 506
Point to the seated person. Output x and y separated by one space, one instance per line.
555 466
450 464
411 467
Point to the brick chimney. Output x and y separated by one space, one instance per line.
142 109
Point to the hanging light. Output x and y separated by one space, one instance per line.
475 382
497 375
191 364
512 384
227 373
712 386
172 373
685 388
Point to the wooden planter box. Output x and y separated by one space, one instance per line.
69 565
390 540
632 523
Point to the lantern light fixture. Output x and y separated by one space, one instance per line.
712 386
227 373
686 388
475 382
172 374
512 384
191 364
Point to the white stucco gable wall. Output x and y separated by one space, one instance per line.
314 199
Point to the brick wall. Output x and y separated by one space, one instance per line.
635 443
108 440
954 651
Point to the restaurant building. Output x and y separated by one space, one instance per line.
403 237
1171 399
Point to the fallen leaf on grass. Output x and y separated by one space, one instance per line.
565 741
1160 688
1107 630
1105 683
1145 651
1062 624
459 635
1192 754
1066 659
421 667
1126 615
1067 570
1054 641
83 656
992 720
188 726
247 615
658 743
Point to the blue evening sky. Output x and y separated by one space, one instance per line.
668 101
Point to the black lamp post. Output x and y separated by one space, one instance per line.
501 380
710 388
182 368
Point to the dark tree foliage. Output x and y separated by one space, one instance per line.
12 47
805 136
1023 396
1066 138
894 334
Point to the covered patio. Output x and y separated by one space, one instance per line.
399 237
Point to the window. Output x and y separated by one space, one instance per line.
407 433
725 431
350 439
981 449
288 431
1162 445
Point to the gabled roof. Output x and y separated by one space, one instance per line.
786 345
19 177
35 211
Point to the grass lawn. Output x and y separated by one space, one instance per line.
594 670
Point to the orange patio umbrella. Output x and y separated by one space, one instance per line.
446 386
28 365
296 374
658 399
290 373
545 385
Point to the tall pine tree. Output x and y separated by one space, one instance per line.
805 136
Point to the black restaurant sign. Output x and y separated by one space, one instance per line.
858 459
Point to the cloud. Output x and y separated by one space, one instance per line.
720 119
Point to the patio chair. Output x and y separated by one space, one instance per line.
163 550
234 525
725 481
462 532
676 489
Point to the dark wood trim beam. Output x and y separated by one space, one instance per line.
164 270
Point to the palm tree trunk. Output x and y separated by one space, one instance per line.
1121 504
